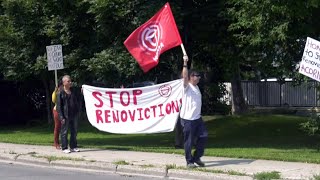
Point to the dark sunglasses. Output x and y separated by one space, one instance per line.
198 75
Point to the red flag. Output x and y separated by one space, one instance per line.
154 37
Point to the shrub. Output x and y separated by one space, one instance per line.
312 127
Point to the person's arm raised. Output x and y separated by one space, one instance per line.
185 71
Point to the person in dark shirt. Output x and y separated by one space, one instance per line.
68 111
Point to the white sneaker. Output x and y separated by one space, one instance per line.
67 151
75 150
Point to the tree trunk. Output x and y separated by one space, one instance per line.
238 103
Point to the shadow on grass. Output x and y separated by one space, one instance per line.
269 131
254 131
161 140
272 131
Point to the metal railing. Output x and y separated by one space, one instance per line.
275 94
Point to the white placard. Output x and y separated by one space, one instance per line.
151 109
310 64
55 57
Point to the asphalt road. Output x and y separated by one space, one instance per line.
13 171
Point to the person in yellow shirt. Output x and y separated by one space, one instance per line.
57 122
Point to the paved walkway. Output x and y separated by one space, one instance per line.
154 164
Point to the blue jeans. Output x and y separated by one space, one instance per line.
194 130
71 123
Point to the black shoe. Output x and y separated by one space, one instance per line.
200 163
191 165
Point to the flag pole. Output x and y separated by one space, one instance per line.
183 50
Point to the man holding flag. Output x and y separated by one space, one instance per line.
146 44
190 114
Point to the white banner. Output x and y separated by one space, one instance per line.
150 109
310 64
55 57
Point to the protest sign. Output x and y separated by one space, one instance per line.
150 109
310 64
55 57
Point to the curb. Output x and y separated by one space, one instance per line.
11 157
100 166
132 169
179 173
25 158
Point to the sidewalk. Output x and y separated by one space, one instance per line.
155 164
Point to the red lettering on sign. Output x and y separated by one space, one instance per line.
168 108
147 113
115 115
131 114
107 115
124 116
110 97
160 107
154 110
135 94
98 116
140 113
95 95
121 98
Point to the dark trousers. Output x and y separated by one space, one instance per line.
194 129
72 124
178 143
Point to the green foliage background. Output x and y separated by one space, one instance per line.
225 39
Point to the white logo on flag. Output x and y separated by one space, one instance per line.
150 39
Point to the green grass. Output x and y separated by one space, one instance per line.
272 137
267 175
173 166
121 162
316 177
55 158
147 165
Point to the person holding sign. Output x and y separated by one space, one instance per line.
190 114
67 107
57 123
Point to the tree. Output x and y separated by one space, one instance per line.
268 33
227 40
91 33
272 33
31 25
